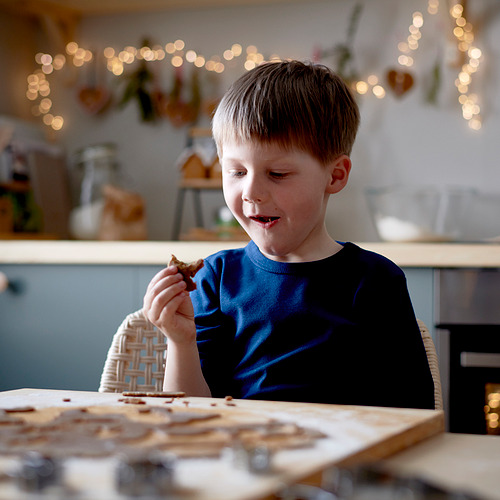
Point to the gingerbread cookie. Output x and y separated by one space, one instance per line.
187 270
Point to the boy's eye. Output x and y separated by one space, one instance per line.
236 173
278 175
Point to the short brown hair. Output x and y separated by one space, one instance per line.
293 104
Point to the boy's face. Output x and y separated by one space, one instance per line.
279 197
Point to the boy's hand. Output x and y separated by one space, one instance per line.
168 306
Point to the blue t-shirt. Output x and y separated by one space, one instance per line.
340 330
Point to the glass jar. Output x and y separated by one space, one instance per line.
94 167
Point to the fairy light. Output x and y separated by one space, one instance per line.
411 44
116 60
57 123
191 56
179 44
236 49
472 56
219 67
177 53
405 48
361 87
432 7
378 91
199 62
109 52
177 61
59 61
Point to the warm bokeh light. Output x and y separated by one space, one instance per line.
177 61
361 87
191 56
71 48
179 44
170 48
378 91
236 49
38 88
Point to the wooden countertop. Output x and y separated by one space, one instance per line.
158 252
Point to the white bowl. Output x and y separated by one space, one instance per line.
418 213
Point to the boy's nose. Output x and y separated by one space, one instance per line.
253 191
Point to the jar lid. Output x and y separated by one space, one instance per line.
96 152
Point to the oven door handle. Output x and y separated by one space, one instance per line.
479 360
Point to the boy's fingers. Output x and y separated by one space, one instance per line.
171 307
164 283
157 299
166 271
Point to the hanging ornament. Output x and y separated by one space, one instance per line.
139 86
93 96
179 111
344 52
400 82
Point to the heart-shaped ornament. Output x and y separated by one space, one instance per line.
93 99
399 81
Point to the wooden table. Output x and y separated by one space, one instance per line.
354 434
455 462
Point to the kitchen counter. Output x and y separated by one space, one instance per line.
432 255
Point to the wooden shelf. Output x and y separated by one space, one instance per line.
28 236
194 183
227 234
15 186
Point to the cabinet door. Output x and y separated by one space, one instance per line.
57 323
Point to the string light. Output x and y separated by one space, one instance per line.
38 88
472 56
433 7
411 44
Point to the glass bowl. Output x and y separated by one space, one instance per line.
418 213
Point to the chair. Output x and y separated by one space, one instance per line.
136 358
432 358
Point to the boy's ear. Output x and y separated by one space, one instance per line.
339 170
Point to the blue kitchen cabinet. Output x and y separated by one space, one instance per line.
57 322
145 274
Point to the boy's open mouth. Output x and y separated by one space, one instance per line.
264 219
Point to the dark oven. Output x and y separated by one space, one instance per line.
467 313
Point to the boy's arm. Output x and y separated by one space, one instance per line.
183 370
168 306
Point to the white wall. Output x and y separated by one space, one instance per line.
400 140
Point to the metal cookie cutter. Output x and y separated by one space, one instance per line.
38 472
256 459
150 475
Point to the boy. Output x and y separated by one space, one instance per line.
295 315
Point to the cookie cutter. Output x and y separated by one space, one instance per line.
254 458
145 475
38 472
